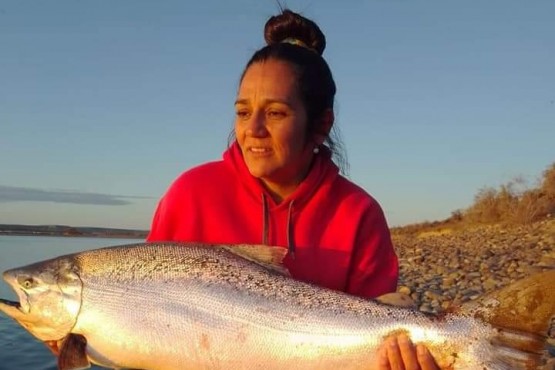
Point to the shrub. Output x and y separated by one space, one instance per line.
514 202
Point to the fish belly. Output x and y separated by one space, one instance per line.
169 326
166 328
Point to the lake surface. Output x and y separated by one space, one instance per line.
18 348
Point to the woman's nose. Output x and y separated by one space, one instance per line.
257 125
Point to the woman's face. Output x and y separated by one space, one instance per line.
271 124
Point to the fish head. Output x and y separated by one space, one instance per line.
49 295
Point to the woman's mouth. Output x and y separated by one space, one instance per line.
260 150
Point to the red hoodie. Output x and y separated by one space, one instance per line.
337 232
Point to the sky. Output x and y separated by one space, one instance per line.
104 103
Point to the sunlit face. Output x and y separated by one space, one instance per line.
271 124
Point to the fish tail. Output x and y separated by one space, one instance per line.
519 350
523 316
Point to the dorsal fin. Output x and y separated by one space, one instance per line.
73 353
270 257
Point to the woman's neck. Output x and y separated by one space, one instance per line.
279 192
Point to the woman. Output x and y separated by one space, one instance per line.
277 183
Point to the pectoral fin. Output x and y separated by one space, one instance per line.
73 353
54 346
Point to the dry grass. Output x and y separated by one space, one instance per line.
513 203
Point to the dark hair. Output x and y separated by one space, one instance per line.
314 78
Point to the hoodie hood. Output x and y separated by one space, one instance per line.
322 171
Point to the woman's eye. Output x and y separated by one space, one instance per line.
276 114
243 114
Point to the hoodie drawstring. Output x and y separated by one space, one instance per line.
290 245
265 220
289 230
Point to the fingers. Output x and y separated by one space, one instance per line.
383 359
425 358
394 354
408 353
399 353
390 356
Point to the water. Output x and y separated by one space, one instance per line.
18 348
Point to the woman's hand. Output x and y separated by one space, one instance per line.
398 353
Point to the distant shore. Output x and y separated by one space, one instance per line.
71 231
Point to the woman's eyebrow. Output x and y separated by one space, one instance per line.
265 101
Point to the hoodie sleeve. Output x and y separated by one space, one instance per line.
157 229
171 216
165 221
374 266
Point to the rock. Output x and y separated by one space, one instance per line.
550 365
431 295
425 307
416 296
446 304
397 299
444 270
448 282
490 284
440 270
547 261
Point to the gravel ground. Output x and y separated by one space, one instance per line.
443 268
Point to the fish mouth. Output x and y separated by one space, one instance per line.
12 309
10 303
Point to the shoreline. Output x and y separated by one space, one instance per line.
71 231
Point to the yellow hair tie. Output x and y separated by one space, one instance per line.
294 41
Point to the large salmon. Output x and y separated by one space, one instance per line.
194 306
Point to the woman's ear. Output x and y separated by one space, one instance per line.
324 126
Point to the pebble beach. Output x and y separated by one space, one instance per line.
451 266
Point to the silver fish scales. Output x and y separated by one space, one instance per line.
195 306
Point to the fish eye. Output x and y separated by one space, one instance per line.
27 282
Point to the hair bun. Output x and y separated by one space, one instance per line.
290 25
